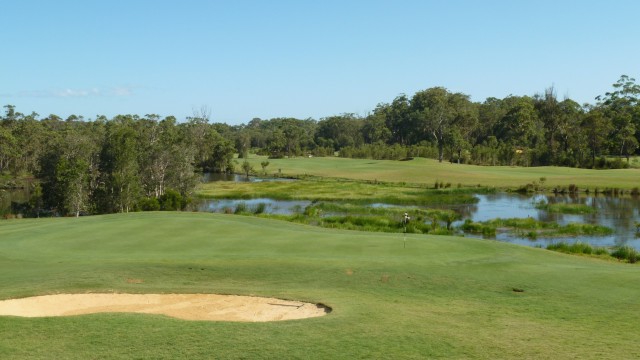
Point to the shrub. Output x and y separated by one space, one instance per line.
486 230
149 204
171 200
626 253
577 248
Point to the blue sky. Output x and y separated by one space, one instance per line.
244 59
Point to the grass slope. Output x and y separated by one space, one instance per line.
441 297
427 171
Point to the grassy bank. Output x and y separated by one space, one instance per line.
441 297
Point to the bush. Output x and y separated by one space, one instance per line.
171 200
577 248
486 230
149 204
626 253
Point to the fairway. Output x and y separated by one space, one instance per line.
427 171
440 297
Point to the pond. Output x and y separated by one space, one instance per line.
618 213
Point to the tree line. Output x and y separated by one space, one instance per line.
132 162
516 130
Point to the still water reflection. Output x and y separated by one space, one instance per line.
618 213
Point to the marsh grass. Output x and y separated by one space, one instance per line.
260 208
376 219
626 253
241 208
342 190
565 208
533 229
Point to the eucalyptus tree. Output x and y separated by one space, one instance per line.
549 112
596 127
398 119
69 168
155 140
344 130
569 149
31 137
622 106
520 125
119 169
375 130
221 155
8 148
436 112
199 133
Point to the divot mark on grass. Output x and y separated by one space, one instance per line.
208 307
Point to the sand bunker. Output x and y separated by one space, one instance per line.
183 306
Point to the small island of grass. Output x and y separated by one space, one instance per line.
577 209
533 229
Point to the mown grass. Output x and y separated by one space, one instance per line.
533 228
340 190
440 297
428 171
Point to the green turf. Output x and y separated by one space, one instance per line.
428 171
440 297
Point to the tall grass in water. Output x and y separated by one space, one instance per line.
565 208
260 208
241 208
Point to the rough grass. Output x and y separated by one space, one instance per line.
578 248
440 297
428 171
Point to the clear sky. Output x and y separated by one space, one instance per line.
274 58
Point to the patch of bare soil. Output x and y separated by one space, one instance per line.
182 306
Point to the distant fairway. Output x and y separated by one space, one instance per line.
427 171
441 297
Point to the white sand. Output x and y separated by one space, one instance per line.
183 306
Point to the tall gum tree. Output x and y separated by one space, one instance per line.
436 111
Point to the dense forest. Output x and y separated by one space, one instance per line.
149 162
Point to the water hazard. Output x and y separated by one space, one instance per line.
617 213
